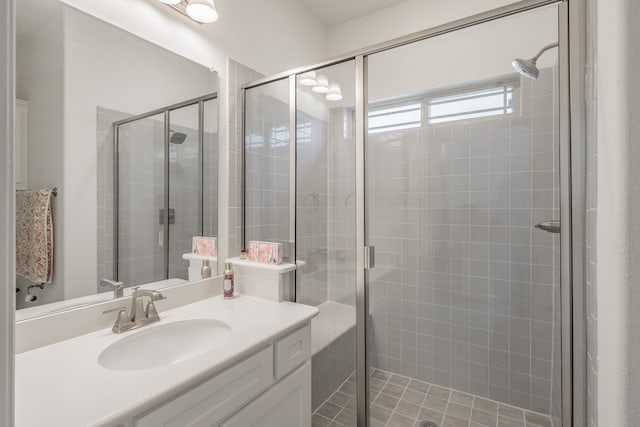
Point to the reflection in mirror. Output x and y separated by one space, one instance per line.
161 195
77 76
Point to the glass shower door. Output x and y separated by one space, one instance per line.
185 186
266 163
461 163
325 234
140 200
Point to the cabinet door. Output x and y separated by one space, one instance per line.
20 145
287 404
212 401
292 351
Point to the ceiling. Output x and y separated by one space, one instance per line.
334 12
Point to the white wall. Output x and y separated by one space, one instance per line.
618 223
402 19
39 69
463 57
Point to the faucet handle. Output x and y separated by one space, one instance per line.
123 322
151 313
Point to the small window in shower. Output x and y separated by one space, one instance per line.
279 136
305 130
470 104
398 117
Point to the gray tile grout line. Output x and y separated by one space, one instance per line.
327 400
394 411
406 387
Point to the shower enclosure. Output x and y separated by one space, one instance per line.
422 187
165 189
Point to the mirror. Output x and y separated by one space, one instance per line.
122 134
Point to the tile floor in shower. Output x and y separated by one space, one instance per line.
400 401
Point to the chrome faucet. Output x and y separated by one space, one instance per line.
139 315
118 287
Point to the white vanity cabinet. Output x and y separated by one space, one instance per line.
287 404
272 387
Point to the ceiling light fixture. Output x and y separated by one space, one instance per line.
169 1
322 86
203 11
308 79
334 94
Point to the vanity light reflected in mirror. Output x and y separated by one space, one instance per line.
334 94
201 11
322 85
308 79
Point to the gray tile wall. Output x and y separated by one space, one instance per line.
183 197
141 196
342 207
592 201
267 163
237 75
312 210
463 290
211 194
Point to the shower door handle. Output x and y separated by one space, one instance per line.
369 257
549 226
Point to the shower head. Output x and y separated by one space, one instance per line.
177 137
528 67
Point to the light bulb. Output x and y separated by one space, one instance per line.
203 11
308 79
322 86
334 94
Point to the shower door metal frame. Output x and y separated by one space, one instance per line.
166 113
571 31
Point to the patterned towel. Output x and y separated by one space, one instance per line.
34 235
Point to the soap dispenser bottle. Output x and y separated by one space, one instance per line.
227 286
205 271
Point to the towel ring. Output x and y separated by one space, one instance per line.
346 201
316 200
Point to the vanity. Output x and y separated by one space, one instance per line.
215 362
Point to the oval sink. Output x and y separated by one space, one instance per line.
163 345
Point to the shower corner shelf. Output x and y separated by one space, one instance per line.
268 281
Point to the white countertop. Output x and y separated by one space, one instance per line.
63 385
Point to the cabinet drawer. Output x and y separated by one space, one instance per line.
292 351
286 404
212 401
